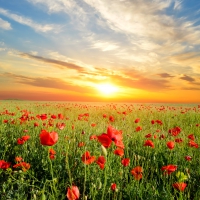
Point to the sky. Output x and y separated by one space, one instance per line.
100 50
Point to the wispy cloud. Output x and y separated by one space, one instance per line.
5 25
165 75
60 64
29 22
104 46
47 82
187 78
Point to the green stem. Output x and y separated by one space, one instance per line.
51 171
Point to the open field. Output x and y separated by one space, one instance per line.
68 150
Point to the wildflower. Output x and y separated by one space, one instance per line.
179 186
119 152
93 124
191 137
193 144
148 135
169 169
175 131
112 135
149 143
113 186
137 120
137 172
24 166
111 119
178 140
87 158
170 145
81 144
125 162
18 159
188 158
52 154
101 161
4 164
93 137
139 128
73 193
48 139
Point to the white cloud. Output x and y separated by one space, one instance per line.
5 25
104 46
29 22
177 5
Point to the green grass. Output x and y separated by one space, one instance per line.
49 179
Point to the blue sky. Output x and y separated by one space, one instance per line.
64 49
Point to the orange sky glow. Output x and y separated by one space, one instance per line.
88 50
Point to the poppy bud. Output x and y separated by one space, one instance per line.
104 151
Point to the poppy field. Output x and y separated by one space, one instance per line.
69 150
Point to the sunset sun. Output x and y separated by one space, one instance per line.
107 89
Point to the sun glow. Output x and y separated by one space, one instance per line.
107 88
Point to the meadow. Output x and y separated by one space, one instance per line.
99 151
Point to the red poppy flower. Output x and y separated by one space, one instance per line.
104 140
93 137
36 124
170 145
73 193
87 158
125 162
60 116
111 119
139 128
191 137
178 140
149 143
53 116
4 164
52 154
25 137
48 139
20 141
175 131
188 158
148 135
137 172
179 186
152 121
43 116
119 152
24 166
81 144
93 124
104 115
113 187
193 144
101 161
137 120
60 126
112 135
18 159
169 169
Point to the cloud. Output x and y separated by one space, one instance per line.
47 82
60 64
105 46
29 22
165 75
5 25
187 78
